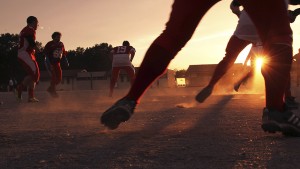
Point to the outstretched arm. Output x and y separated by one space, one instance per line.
132 53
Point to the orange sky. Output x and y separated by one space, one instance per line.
84 23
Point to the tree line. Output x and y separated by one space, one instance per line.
94 58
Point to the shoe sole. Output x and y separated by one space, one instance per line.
113 117
236 87
287 130
291 131
33 101
271 127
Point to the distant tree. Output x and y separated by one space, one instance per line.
180 73
76 58
97 57
94 58
8 56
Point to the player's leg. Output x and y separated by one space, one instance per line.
233 49
244 78
35 74
51 89
290 101
183 21
55 79
276 36
184 18
130 72
114 77
32 70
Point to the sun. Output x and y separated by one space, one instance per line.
259 61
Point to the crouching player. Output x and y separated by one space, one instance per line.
54 53
122 57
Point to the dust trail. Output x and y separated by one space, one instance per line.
186 105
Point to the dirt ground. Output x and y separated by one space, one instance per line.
168 130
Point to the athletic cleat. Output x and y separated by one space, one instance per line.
52 92
204 94
286 122
120 112
291 103
236 86
33 100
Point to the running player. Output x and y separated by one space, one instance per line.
26 56
244 34
122 57
257 50
55 52
275 35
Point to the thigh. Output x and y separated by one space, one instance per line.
27 63
235 46
57 70
184 18
271 20
129 70
115 72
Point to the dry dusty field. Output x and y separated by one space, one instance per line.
168 130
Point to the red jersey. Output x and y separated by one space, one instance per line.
24 45
122 55
55 51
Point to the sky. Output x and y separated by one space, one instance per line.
84 23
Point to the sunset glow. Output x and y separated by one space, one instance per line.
259 63
98 24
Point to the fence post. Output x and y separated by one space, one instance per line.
91 81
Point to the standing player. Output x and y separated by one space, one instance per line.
122 57
55 52
26 56
275 35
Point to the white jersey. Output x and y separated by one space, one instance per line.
245 28
122 56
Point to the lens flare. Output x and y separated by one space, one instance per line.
259 61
